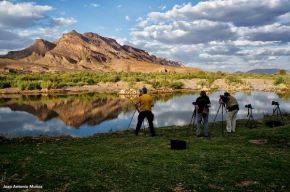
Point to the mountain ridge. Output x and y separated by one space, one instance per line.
89 51
261 71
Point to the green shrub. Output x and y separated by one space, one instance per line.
90 81
282 72
80 84
60 85
155 84
279 80
4 84
28 85
48 85
177 85
201 83
233 80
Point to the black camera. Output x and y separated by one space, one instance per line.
275 103
193 103
248 106
222 97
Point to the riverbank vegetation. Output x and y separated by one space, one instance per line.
256 159
157 80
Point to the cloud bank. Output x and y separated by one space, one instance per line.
219 34
22 23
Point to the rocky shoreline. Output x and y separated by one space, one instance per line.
122 88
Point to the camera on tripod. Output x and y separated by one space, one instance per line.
275 103
249 106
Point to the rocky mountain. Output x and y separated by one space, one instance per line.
88 51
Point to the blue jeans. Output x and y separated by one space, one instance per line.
201 116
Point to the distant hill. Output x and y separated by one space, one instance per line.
261 71
88 51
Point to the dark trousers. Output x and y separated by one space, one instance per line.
141 117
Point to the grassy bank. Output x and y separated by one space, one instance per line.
255 159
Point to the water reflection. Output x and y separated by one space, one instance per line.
87 114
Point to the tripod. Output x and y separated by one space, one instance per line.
251 118
277 112
142 122
223 108
193 116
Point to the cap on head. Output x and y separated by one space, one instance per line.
144 90
203 93
227 94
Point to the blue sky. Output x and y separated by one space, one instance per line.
216 35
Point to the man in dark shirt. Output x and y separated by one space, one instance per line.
202 105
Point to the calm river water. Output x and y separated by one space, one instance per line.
87 114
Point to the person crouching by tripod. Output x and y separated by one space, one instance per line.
233 108
143 105
202 105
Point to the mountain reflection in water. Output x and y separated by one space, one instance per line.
87 114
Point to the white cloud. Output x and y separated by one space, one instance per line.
182 32
95 5
122 41
162 7
49 34
246 43
273 32
10 40
139 19
133 29
239 12
118 29
16 16
63 22
21 15
127 18
143 23
101 27
119 6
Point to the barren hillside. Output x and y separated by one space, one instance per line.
88 51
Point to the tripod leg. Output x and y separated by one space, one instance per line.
247 122
222 119
215 116
273 113
281 116
193 122
132 118
254 122
193 115
144 126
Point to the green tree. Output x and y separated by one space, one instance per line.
282 72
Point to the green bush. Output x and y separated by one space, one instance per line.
155 84
4 84
90 81
28 85
201 83
233 80
48 85
60 85
177 85
279 80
